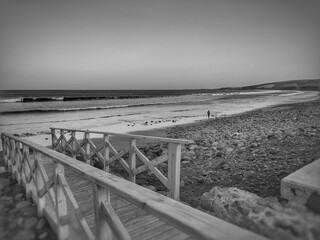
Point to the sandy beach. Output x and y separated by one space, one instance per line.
149 119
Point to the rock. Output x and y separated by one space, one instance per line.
40 224
313 202
4 182
229 151
248 174
30 211
225 166
186 158
18 196
191 152
264 216
163 165
43 235
30 222
254 145
20 221
23 204
219 154
27 234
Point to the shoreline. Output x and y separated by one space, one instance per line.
156 128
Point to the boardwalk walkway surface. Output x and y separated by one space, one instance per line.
139 224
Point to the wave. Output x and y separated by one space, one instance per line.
96 107
73 98
245 93
11 100
291 94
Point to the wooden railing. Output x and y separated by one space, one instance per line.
68 141
23 158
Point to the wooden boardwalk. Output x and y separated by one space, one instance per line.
139 224
83 202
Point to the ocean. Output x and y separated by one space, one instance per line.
29 112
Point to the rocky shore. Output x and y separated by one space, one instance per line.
251 151
18 216
234 168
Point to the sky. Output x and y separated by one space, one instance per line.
157 44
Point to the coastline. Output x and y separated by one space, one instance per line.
156 128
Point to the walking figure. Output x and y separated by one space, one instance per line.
208 113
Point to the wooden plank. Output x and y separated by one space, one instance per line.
114 222
141 224
153 231
130 214
74 207
176 235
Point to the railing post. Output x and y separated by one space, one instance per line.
61 204
73 144
174 163
52 138
103 230
87 136
14 160
18 162
4 150
62 142
39 185
8 143
106 153
132 161
11 156
27 170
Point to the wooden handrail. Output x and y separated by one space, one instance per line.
86 148
189 220
141 137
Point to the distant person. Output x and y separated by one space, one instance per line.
208 113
